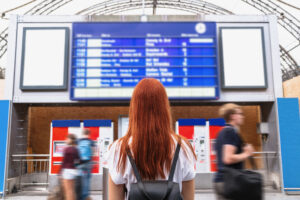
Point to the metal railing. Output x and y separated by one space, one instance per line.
34 169
266 155
269 160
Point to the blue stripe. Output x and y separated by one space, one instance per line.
217 122
65 123
292 190
191 122
97 123
289 127
4 118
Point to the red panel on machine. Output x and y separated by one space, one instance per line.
187 132
59 134
216 125
94 132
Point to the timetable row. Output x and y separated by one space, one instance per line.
131 62
143 52
146 71
131 82
148 42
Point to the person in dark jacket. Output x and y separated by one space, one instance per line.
231 151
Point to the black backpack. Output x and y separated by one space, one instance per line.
155 190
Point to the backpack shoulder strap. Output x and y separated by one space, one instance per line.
135 170
173 166
137 175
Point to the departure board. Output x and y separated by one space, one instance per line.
109 59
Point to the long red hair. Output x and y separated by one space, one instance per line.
150 131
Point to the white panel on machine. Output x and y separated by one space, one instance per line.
77 131
123 126
106 138
198 136
201 145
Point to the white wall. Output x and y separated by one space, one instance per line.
2 85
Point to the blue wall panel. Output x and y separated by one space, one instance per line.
289 126
4 118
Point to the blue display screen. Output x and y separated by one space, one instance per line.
118 55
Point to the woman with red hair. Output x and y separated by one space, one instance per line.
152 143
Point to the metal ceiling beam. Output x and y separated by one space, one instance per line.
291 24
285 19
117 8
154 7
110 4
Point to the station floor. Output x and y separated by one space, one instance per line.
200 195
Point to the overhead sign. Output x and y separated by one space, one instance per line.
109 59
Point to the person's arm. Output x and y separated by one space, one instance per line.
229 156
188 190
94 148
77 159
115 192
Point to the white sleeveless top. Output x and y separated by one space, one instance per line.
185 167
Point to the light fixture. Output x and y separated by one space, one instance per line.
144 18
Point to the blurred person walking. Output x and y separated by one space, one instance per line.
85 146
229 146
68 167
151 143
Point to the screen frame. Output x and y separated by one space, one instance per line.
221 59
64 86
55 153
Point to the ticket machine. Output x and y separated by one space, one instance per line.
101 134
202 134
197 132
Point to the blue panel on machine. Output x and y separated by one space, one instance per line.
97 123
191 122
65 123
217 122
109 59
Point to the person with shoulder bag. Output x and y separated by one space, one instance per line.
151 161
231 180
